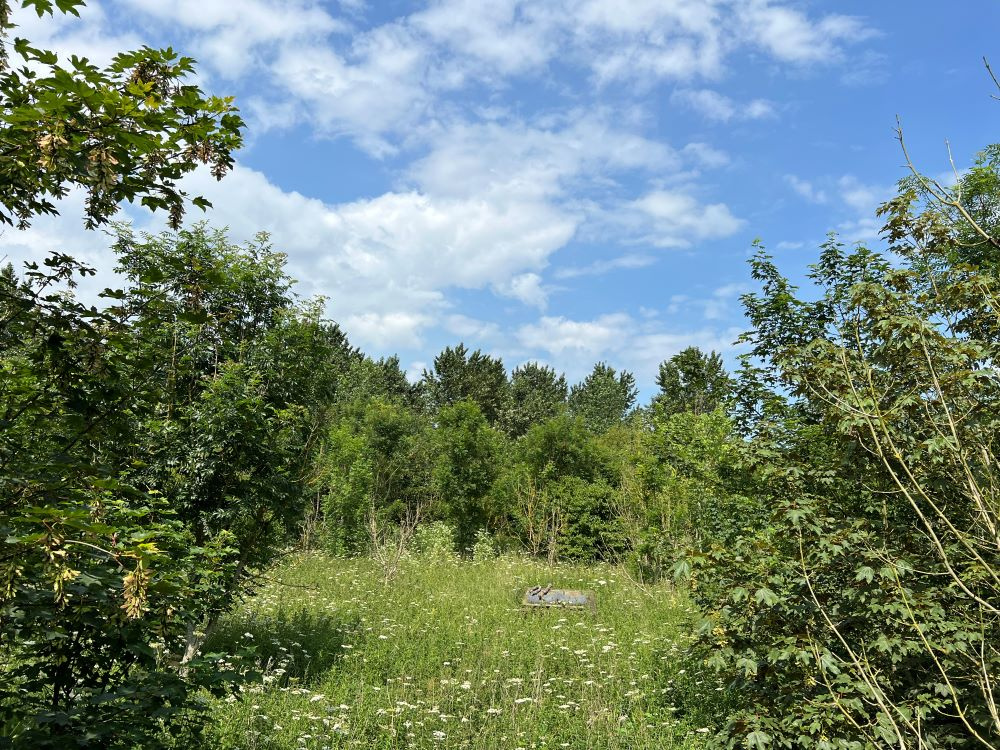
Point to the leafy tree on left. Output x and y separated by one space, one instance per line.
152 452
127 132
99 575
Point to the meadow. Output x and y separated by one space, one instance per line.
445 656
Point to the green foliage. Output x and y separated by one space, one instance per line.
367 379
537 393
93 570
862 611
127 132
378 467
681 486
458 375
153 453
435 542
484 548
466 465
557 488
692 381
244 376
604 398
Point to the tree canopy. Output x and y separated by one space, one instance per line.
126 132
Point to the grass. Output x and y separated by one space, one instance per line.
445 657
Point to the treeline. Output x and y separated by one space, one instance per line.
523 463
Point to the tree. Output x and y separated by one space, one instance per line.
466 465
458 375
692 381
369 378
873 587
79 666
537 393
604 398
558 490
127 132
376 476
98 577
244 375
153 454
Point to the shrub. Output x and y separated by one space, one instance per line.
435 542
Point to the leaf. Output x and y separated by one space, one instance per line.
766 597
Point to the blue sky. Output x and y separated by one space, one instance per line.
563 181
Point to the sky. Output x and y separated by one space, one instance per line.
560 181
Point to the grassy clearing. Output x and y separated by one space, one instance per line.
446 657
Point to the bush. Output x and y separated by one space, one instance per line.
435 542
484 547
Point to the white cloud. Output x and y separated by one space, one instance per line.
859 196
647 349
236 42
526 287
387 330
645 41
386 263
806 189
470 328
541 159
715 106
791 36
862 200
635 345
723 302
503 35
376 84
705 155
601 267
91 35
375 89
671 218
559 335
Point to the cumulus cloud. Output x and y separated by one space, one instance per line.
672 218
385 263
93 35
558 335
705 155
526 287
373 89
861 200
791 36
374 83
540 159
236 43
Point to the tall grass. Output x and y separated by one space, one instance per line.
445 656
